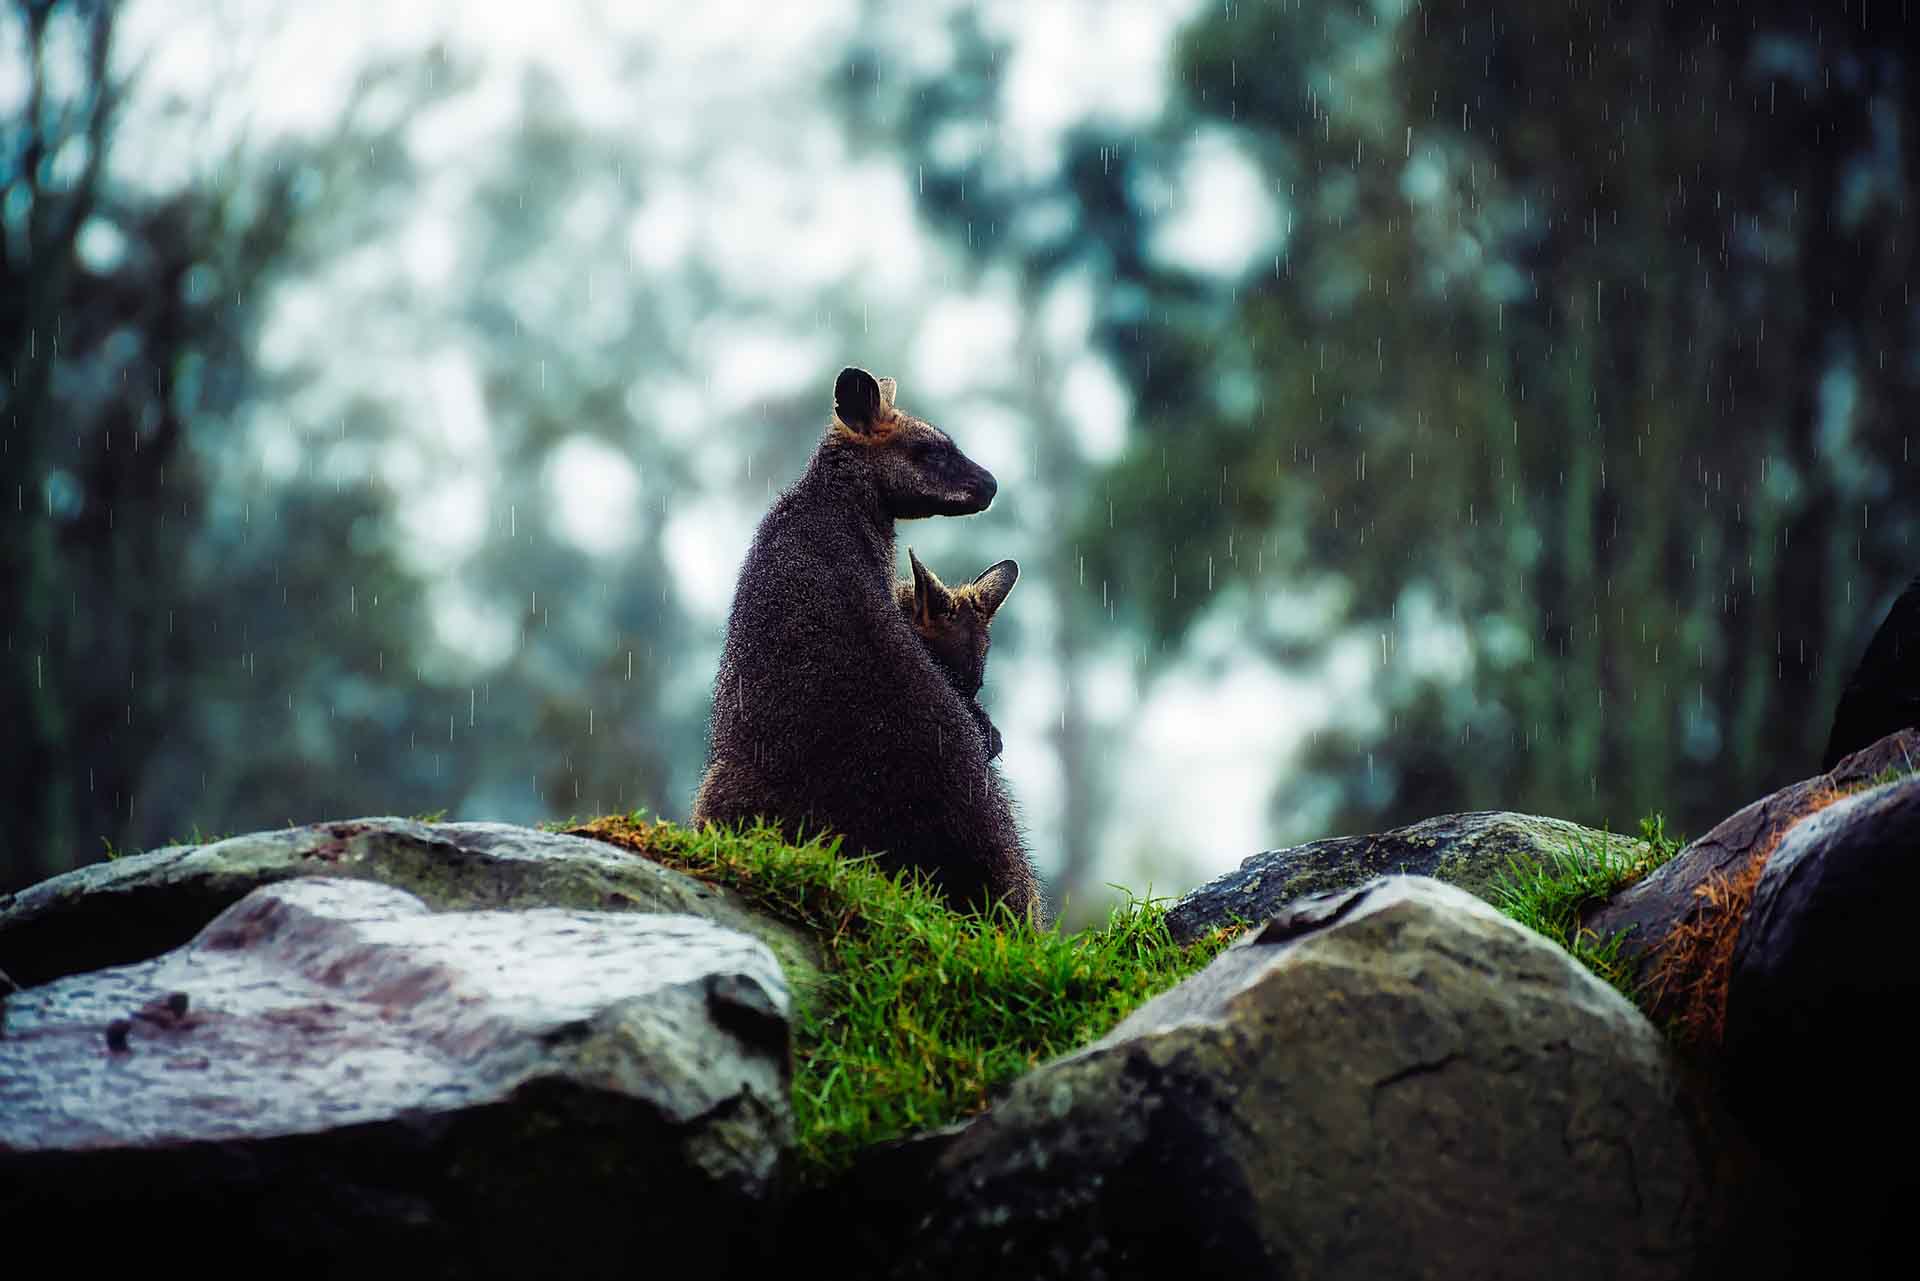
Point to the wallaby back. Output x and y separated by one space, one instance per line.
952 623
828 711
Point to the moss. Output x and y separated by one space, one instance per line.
923 1013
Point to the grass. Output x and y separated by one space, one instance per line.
196 838
923 1012
1549 897
1891 774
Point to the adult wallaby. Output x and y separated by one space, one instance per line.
952 623
828 711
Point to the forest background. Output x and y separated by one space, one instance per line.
1398 408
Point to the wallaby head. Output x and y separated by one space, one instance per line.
952 622
915 467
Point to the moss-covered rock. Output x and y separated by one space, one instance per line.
1469 851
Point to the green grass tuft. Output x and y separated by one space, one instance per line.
1891 774
1550 897
923 1011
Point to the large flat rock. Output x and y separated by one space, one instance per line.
138 906
330 1070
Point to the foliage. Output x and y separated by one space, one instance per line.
156 593
924 1012
194 635
1587 367
1549 897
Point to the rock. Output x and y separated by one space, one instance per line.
1821 984
1682 919
1394 1081
138 906
332 1076
1470 851
1883 696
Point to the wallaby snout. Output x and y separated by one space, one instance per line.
984 489
956 487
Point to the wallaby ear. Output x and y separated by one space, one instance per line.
930 596
887 388
991 588
856 399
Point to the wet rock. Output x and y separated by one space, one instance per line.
1466 850
1822 982
1683 918
1395 1081
140 905
330 1075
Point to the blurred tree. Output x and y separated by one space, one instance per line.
562 332
51 151
135 606
588 703
1587 346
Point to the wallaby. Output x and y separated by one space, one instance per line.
952 623
828 711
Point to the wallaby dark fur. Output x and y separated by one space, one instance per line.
952 623
828 711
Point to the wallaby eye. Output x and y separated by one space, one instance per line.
924 451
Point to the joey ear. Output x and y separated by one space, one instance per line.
991 588
887 388
856 399
930 595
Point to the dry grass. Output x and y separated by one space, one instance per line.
1697 959
1690 979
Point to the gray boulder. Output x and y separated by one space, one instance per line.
138 906
1470 851
331 1077
1395 1081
